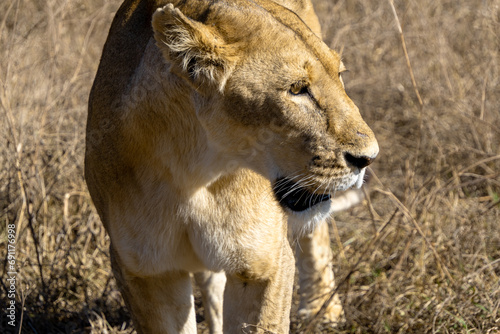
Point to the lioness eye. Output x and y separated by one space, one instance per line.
299 88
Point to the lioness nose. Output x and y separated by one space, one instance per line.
358 161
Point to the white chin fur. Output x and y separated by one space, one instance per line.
305 222
360 180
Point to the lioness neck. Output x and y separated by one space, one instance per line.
153 108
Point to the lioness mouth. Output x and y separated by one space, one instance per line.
295 197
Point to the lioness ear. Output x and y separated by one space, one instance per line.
198 52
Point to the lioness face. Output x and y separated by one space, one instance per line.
311 137
277 105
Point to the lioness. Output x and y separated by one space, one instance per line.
215 127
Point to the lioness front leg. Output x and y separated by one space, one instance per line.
158 304
316 279
314 260
212 286
256 303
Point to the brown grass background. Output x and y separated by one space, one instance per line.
421 256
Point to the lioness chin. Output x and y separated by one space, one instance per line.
215 127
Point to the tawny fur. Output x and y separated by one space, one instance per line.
191 122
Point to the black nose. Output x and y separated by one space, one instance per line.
359 162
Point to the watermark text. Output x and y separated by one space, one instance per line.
11 274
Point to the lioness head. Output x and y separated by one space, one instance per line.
270 96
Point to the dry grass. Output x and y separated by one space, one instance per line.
423 256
